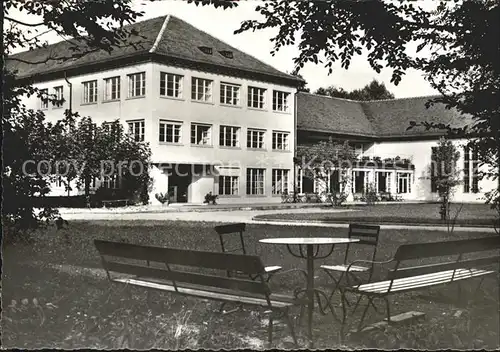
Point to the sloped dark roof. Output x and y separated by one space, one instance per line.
379 119
178 39
148 31
325 114
391 118
182 40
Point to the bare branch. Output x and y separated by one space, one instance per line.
24 23
39 35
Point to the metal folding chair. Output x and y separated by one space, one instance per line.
368 235
232 241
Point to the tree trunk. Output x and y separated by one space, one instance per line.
498 160
87 185
443 211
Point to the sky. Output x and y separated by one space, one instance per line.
222 23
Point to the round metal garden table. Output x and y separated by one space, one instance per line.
311 252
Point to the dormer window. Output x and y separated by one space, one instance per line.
226 53
206 49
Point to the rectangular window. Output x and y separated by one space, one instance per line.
201 134
58 92
137 85
229 136
90 92
111 182
475 171
136 130
229 185
59 182
255 139
201 89
112 88
281 140
255 181
113 129
433 170
280 181
466 170
229 94
359 181
471 172
383 181
171 85
256 97
334 181
170 131
44 99
280 101
403 182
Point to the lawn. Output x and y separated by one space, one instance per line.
60 304
423 214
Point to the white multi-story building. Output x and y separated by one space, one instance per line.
217 119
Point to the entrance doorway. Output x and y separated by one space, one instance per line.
178 182
358 182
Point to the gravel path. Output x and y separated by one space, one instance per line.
245 216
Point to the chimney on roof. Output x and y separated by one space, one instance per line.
206 49
226 53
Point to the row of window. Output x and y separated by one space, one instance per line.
230 185
171 85
360 181
201 134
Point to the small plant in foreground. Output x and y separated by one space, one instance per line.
210 198
370 195
163 198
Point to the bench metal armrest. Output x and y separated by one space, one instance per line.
372 262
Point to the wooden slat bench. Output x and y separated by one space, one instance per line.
115 202
185 272
404 277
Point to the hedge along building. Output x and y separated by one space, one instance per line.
217 119
393 159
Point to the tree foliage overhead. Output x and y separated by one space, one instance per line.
98 25
373 91
331 31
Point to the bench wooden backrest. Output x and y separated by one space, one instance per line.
447 248
231 229
367 234
112 252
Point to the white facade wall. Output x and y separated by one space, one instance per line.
152 108
420 154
